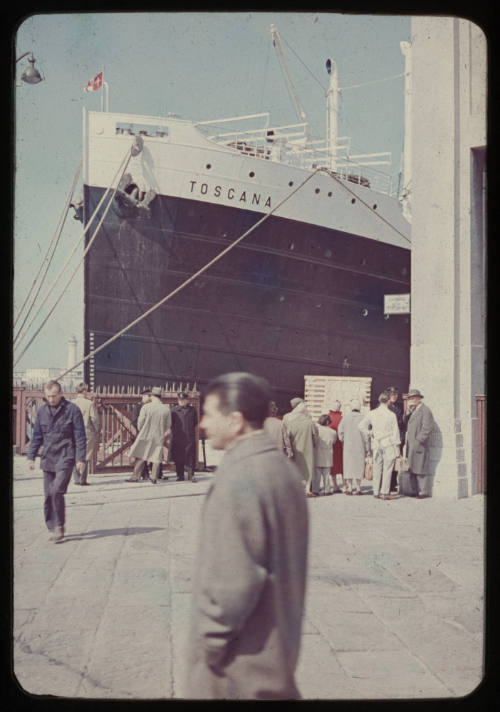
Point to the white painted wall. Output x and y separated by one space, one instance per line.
448 120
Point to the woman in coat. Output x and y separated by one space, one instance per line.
337 467
354 447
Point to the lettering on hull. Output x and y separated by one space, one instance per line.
238 196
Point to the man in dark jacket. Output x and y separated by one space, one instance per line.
59 427
182 449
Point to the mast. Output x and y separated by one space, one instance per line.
298 106
332 112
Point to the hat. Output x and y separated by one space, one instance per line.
156 391
146 391
182 396
295 401
414 392
355 404
336 406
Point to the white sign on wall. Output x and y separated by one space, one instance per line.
396 303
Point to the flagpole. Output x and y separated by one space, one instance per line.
102 95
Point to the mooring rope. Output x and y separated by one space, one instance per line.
125 160
124 164
192 278
57 234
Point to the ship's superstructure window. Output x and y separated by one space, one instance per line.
353 201
329 193
251 174
375 206
317 190
208 166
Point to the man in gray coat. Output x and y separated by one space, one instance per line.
250 570
420 425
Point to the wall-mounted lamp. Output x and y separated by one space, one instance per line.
30 75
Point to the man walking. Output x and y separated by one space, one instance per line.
154 427
91 422
420 426
59 428
250 569
385 434
183 444
136 409
300 434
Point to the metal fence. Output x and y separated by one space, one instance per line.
115 405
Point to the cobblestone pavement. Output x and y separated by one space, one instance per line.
394 601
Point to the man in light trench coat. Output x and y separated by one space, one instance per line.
154 423
300 435
250 569
91 422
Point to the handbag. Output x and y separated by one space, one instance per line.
401 464
368 467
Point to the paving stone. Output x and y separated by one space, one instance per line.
377 624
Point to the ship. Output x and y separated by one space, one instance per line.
303 293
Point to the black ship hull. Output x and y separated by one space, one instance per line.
291 299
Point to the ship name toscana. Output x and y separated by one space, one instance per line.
229 193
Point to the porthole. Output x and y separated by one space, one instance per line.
251 174
316 191
290 183
375 206
208 166
353 201
330 194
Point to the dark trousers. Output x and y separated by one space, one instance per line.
80 479
55 484
179 469
139 469
419 483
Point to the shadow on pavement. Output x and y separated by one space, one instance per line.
99 533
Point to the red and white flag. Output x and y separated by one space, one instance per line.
95 83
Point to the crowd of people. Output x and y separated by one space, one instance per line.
333 453
251 561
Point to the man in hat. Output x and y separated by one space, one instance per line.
183 445
91 422
397 408
154 425
419 427
136 409
300 434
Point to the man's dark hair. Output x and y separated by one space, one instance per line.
53 384
383 397
324 419
82 387
243 392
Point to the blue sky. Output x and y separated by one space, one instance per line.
199 66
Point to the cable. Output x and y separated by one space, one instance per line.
77 266
125 160
304 64
374 81
57 233
192 278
